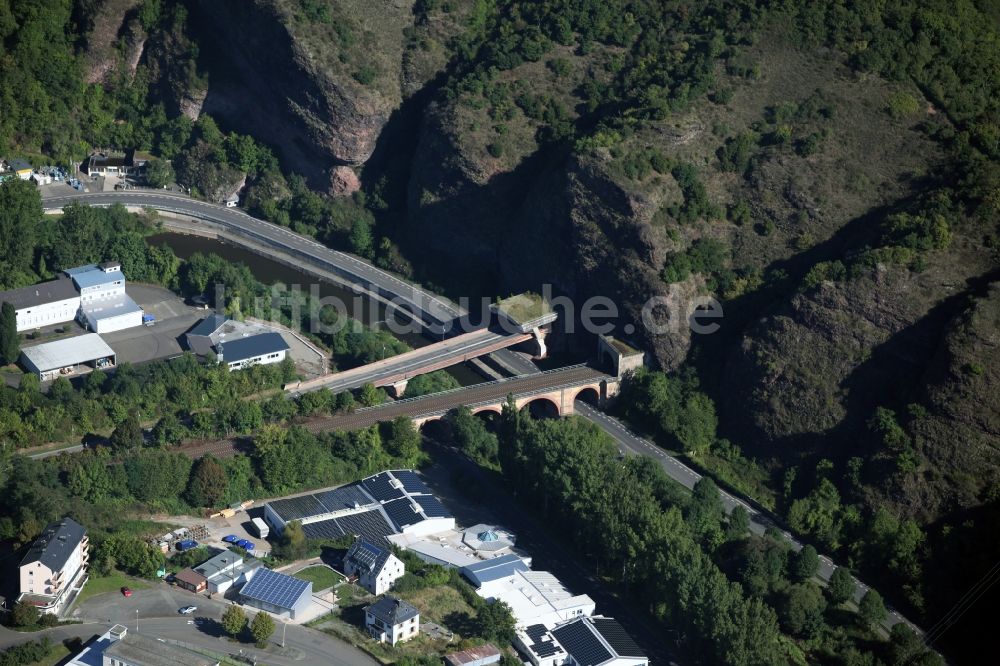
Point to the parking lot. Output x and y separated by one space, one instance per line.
162 340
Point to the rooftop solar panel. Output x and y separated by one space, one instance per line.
369 525
296 508
380 487
536 632
581 642
401 512
432 507
616 636
275 588
342 498
323 529
412 483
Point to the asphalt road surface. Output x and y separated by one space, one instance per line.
410 364
158 618
631 443
432 309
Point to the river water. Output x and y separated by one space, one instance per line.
359 306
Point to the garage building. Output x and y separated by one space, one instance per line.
64 357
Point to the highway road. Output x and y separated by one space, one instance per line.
760 520
435 312
405 366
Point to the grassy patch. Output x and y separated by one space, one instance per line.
321 577
442 605
57 653
524 307
112 583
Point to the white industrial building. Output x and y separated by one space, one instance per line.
104 305
260 349
64 357
376 568
44 304
55 567
598 641
534 597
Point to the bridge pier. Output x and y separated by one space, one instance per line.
539 335
397 389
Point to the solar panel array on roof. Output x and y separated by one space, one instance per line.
412 483
323 529
296 508
275 588
431 506
369 525
616 636
342 498
581 642
380 487
541 642
365 554
401 512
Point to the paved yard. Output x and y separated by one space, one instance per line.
163 340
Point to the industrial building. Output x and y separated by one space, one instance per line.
598 641
392 502
260 349
55 567
44 304
104 305
376 568
277 593
119 647
225 570
534 597
391 620
64 357
482 655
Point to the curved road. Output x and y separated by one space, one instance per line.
687 477
435 312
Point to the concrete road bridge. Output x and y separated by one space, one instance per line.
395 371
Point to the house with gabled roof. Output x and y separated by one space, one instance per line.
375 567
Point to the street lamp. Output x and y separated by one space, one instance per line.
137 620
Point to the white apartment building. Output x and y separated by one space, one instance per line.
44 304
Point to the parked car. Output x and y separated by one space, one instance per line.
246 545
187 610
126 591
230 538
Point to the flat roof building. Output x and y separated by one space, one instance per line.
482 655
482 573
62 357
534 597
119 647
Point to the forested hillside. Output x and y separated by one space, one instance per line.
829 171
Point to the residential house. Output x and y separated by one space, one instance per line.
391 620
376 568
